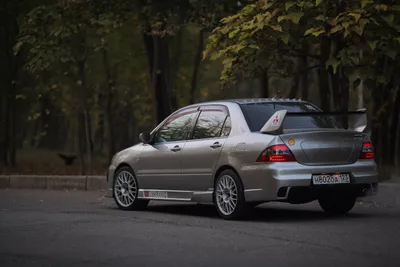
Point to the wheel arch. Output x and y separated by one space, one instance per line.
224 168
119 166
220 170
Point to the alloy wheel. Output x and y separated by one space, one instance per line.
125 189
227 195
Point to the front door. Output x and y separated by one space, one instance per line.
160 164
203 148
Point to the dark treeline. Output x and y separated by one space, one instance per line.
85 77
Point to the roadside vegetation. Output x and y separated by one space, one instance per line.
80 79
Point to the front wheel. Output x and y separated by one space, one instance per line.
229 196
126 190
337 204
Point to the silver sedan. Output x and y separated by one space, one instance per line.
237 154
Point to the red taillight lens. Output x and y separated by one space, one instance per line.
367 151
276 153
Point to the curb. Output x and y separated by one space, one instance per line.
59 182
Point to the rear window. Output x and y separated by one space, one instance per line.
257 114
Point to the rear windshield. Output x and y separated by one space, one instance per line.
257 114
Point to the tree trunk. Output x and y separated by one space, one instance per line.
109 101
13 133
360 89
6 144
81 141
344 91
88 138
175 66
394 128
265 84
165 63
84 107
100 127
124 133
295 81
380 121
8 68
111 134
158 57
323 80
397 145
196 68
159 81
304 78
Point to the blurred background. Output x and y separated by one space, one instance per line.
80 79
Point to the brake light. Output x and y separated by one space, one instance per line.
276 153
367 151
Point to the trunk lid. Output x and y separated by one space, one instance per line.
324 147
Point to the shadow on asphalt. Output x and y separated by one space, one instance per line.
261 213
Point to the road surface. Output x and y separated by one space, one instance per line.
56 228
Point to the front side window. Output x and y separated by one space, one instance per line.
176 128
209 124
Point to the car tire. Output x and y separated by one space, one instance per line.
229 196
337 204
126 189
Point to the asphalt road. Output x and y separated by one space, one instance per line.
49 228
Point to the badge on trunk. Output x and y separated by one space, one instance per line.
291 142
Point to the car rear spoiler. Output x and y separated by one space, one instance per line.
275 124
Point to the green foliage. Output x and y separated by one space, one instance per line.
264 30
59 34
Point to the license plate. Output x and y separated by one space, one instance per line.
331 179
157 194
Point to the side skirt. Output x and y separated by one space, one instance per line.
177 195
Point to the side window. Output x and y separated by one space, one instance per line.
209 124
176 129
227 127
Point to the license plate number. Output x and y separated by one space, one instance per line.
157 194
331 179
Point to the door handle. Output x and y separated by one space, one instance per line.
175 149
216 145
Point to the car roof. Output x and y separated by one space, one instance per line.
263 100
242 101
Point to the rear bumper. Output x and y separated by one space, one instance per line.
276 181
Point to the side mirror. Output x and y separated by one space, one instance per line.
145 138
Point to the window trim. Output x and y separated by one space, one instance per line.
219 108
174 117
223 126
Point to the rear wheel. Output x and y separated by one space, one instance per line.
229 196
336 203
126 190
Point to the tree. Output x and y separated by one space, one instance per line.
10 70
59 36
265 32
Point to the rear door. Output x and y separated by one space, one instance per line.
202 150
160 164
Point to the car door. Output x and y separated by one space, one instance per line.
160 164
202 150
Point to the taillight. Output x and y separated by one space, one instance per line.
367 151
276 153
